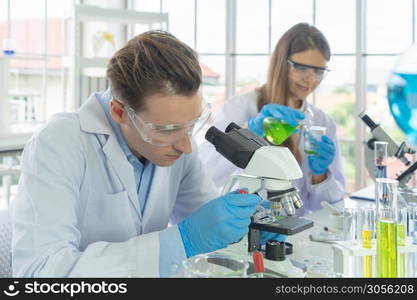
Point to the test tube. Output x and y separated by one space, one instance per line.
349 224
402 233
412 233
386 227
412 225
380 159
349 236
367 226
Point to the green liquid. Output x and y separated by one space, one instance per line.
276 132
401 257
386 247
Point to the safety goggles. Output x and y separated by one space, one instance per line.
167 135
304 71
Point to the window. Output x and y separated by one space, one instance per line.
388 31
181 19
336 97
199 24
389 26
34 33
252 35
285 14
234 39
336 19
336 94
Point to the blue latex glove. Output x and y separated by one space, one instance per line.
319 163
218 223
266 235
280 112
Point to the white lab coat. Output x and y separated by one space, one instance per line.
239 109
77 211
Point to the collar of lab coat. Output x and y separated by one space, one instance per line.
93 120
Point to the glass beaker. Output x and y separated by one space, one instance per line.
412 235
349 224
276 131
401 236
386 227
313 135
412 222
380 159
215 265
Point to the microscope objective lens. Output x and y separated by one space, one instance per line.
276 208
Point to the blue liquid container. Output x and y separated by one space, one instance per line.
402 99
402 93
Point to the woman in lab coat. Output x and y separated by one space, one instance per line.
297 66
99 186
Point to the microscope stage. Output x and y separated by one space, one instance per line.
284 225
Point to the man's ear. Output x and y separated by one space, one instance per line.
116 111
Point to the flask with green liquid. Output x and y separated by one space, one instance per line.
276 131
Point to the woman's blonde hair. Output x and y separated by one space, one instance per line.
299 38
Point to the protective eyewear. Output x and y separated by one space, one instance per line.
167 135
303 71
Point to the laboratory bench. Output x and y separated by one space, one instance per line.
313 258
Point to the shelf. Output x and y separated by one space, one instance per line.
84 75
86 62
120 16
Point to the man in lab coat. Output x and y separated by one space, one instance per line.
100 186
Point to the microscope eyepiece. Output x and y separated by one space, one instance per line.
232 126
237 145
212 134
368 121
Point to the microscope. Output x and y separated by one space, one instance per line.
378 134
267 169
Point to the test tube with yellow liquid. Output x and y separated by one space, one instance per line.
368 222
386 227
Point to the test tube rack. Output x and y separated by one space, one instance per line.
346 254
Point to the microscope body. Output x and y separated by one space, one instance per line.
266 168
409 194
